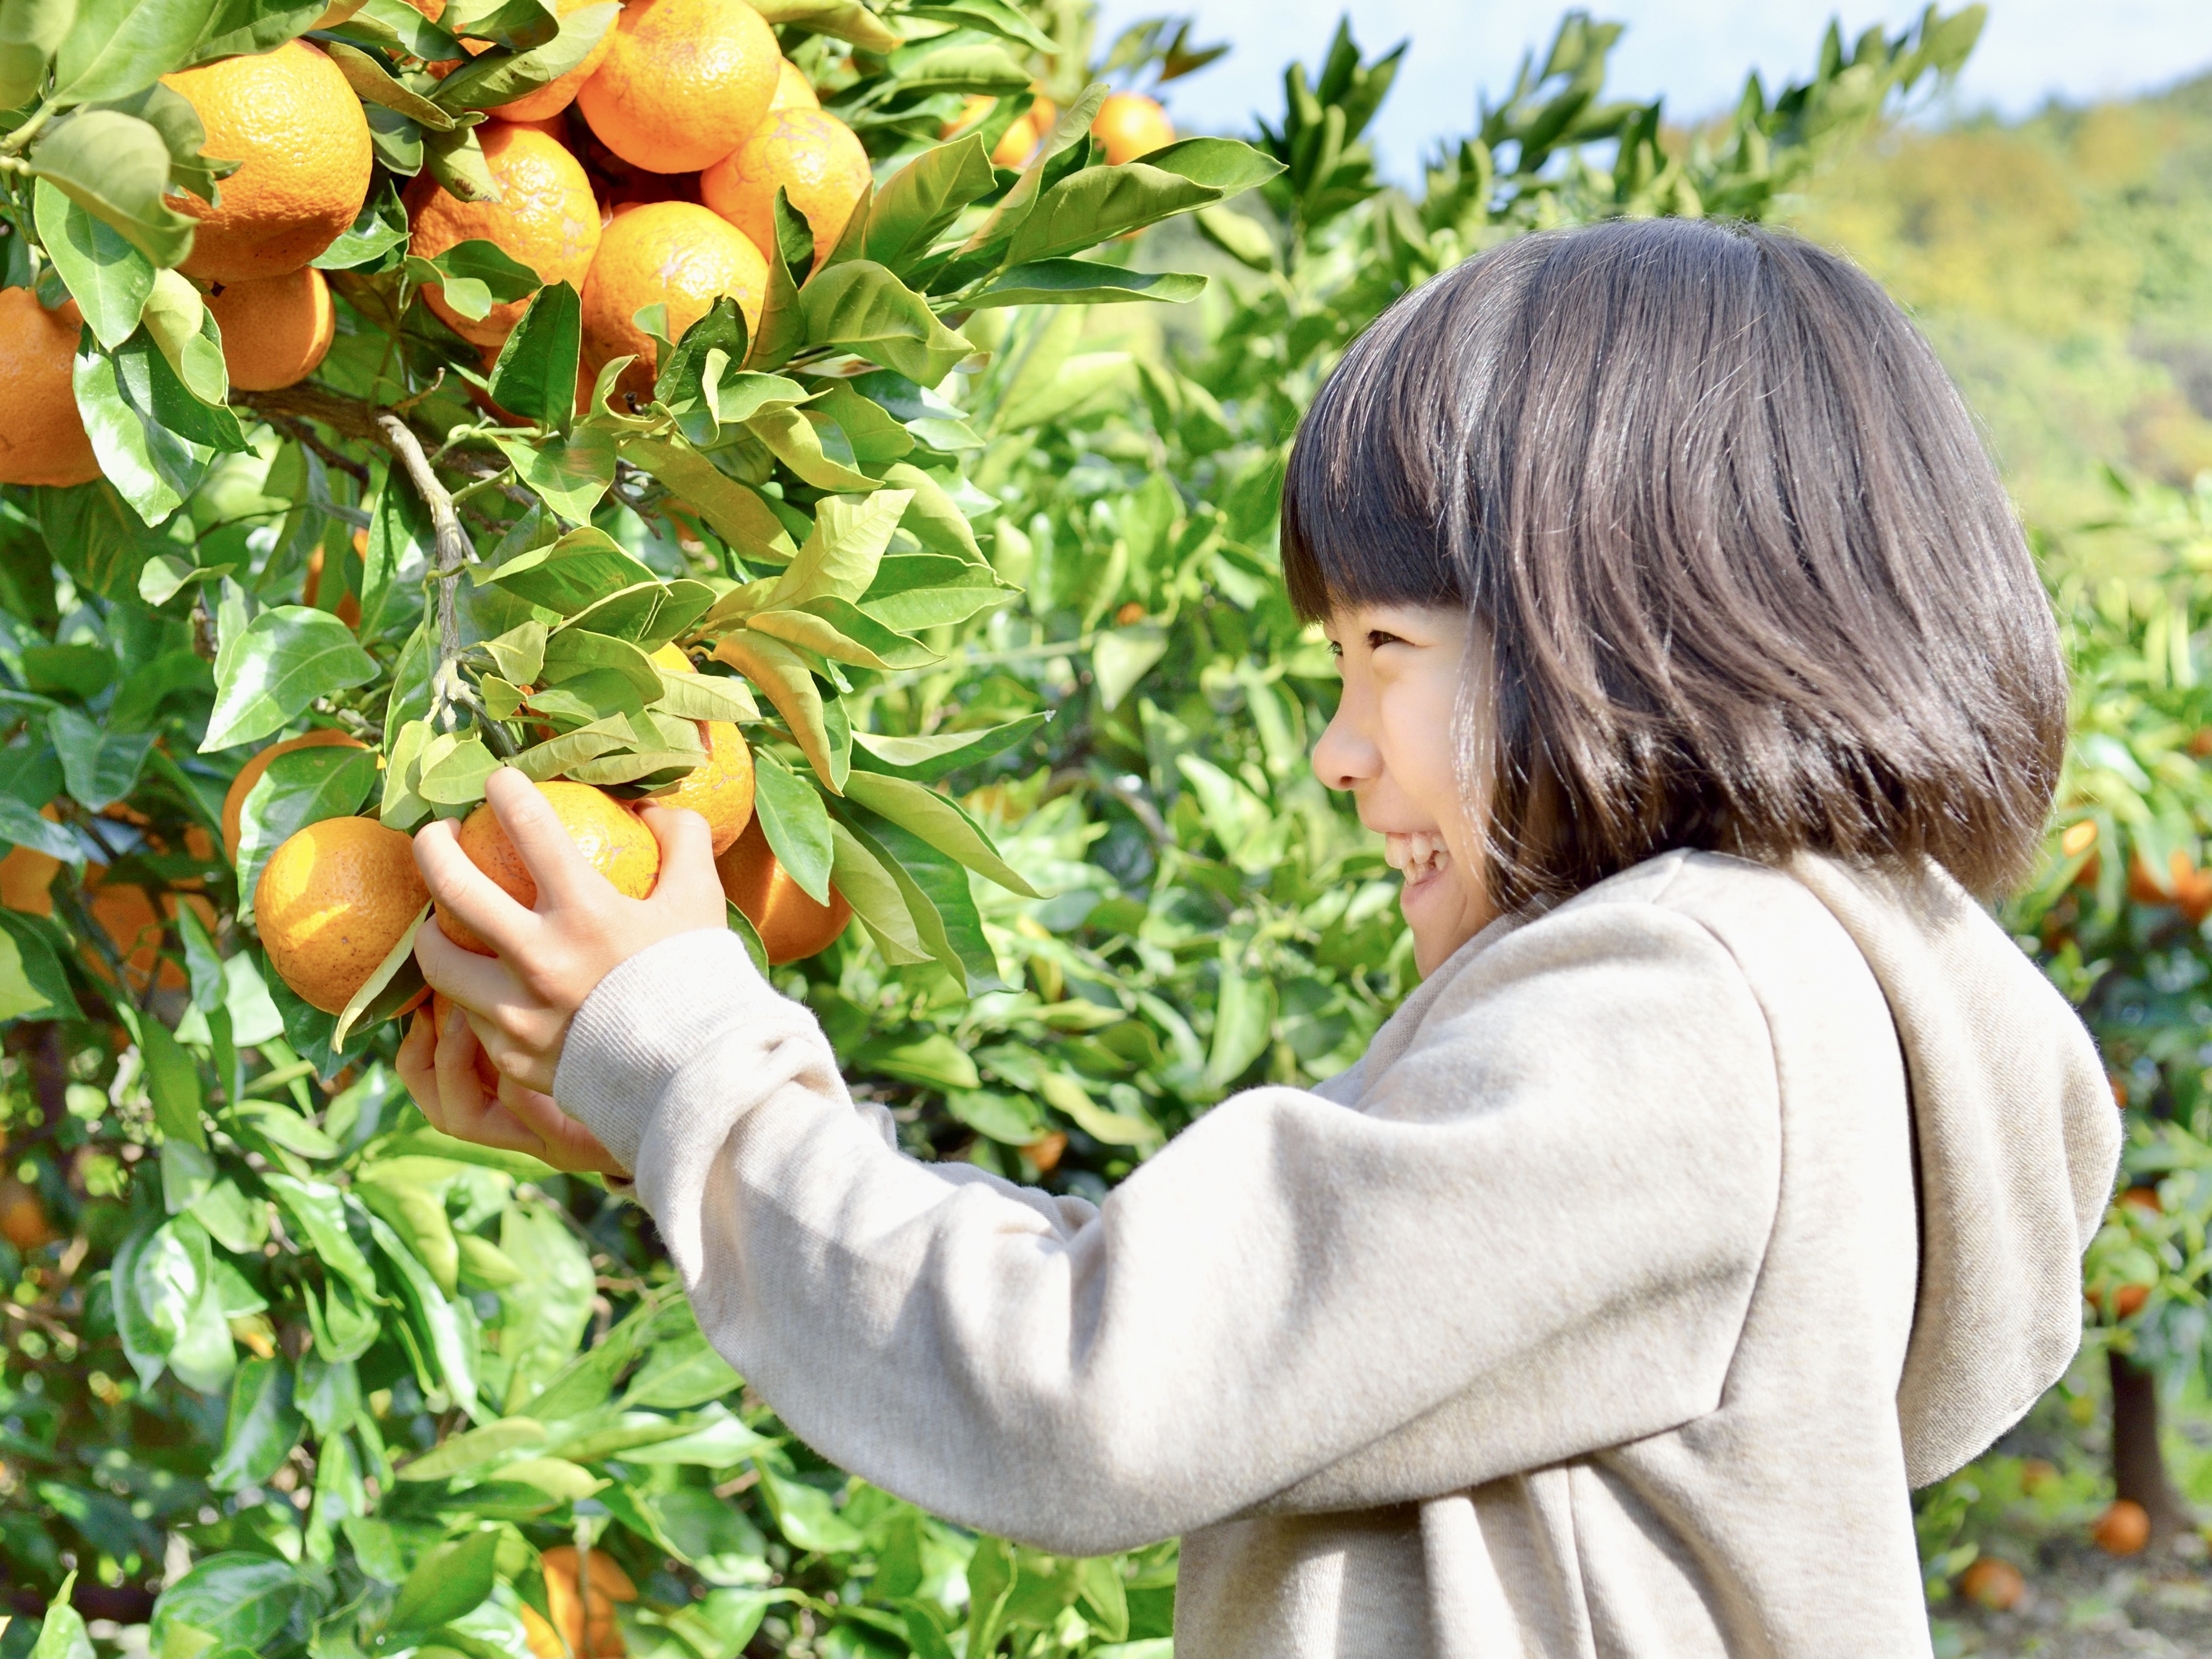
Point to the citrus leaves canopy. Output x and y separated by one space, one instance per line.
982 570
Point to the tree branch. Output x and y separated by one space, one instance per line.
453 549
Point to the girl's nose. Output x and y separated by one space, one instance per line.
1345 757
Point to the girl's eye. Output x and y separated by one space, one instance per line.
1336 647
1376 639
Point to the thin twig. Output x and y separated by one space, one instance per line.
453 550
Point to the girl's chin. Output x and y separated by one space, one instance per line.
1436 911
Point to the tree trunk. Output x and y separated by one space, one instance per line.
2138 1460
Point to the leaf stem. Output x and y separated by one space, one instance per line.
23 135
453 549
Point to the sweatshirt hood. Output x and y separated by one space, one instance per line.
2016 1140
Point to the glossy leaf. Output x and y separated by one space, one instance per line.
872 886
797 827
776 669
535 376
107 275
117 47
940 821
494 79
244 1601
284 659
865 309
116 168
262 1428
101 766
571 473
451 1580
1083 283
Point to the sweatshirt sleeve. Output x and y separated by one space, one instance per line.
1555 1199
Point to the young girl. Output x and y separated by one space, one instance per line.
1727 1176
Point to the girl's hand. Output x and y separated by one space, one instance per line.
445 1072
552 957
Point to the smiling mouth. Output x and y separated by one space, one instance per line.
1417 854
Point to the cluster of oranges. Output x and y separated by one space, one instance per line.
334 897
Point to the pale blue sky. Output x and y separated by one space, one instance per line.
1696 52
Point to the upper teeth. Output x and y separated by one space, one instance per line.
1418 853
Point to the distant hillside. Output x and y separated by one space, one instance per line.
2063 266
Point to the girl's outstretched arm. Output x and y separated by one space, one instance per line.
1551 1204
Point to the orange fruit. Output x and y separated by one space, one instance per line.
793 89
2128 1300
791 925
23 1216
609 836
332 901
1996 1584
675 253
2124 1528
721 791
233 799
545 218
26 877
134 924
290 118
2144 1199
275 330
553 96
1130 124
42 441
811 157
685 83
583 1623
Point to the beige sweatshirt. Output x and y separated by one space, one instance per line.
1588 1315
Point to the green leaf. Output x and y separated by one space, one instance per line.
452 770
452 1351
121 47
573 573
474 275
449 1580
1222 164
796 440
107 277
97 537
925 759
174 1080
796 825
518 24
846 19
961 63
240 26
456 161
116 168
840 631
1083 283
394 26
286 659
1244 1020
840 558
243 1602
648 614
706 697
380 227
263 1427
1122 657
31 32
571 653
938 821
178 322
731 511
1097 204
919 202
62 1634
915 590
371 988
38 950
861 307
878 898
570 473
996 16
498 78
151 383
932 515
495 1442
536 375
316 1213
774 668
681 381
152 468
939 898
101 766
374 84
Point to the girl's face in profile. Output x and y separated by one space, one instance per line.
1391 743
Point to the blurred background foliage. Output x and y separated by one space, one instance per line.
1212 920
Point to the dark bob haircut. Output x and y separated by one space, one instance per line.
1747 578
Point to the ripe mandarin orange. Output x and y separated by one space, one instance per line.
811 157
233 799
1996 1584
721 791
24 1216
42 441
545 217
2124 1528
27 880
607 833
793 89
1020 141
134 926
580 1623
685 83
678 253
1130 124
289 116
331 903
275 330
791 925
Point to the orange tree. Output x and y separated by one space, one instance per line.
987 590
